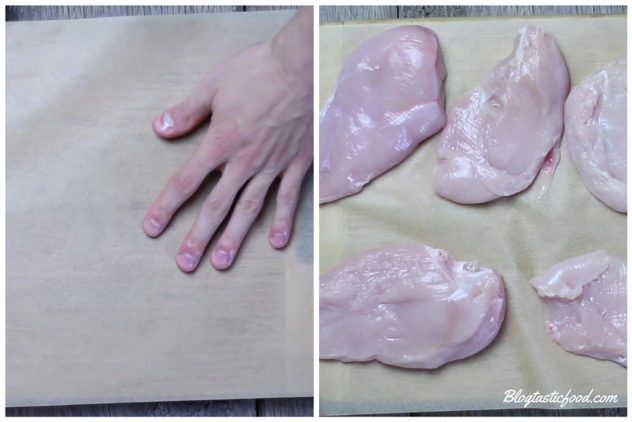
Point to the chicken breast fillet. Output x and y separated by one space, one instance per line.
586 305
411 306
388 98
596 133
507 130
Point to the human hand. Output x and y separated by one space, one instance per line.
261 128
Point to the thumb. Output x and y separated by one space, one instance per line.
186 116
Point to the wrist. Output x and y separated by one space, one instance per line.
293 48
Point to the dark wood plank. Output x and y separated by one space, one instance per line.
75 410
452 11
31 13
531 412
181 408
186 408
342 13
265 8
303 406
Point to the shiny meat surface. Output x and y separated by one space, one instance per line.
585 299
411 306
596 133
389 97
507 130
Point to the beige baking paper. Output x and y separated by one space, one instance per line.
521 236
97 311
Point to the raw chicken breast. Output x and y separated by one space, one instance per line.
411 306
596 133
585 299
388 98
501 134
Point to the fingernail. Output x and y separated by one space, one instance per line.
186 261
166 121
279 239
221 258
151 226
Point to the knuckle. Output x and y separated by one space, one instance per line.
227 242
249 207
194 106
183 183
279 160
215 208
158 213
287 197
270 172
283 223
195 244
250 161
207 161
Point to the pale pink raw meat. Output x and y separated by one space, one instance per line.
586 305
388 98
596 133
411 306
507 130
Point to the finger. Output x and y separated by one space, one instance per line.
211 215
184 182
287 199
186 116
244 214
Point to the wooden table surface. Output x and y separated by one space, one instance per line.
348 13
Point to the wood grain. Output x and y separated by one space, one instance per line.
286 407
263 8
182 408
448 11
31 13
531 412
342 13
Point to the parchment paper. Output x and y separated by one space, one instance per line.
521 236
96 310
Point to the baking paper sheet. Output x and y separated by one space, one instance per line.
96 310
521 236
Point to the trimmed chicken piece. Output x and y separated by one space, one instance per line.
507 130
411 306
586 305
388 98
596 133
